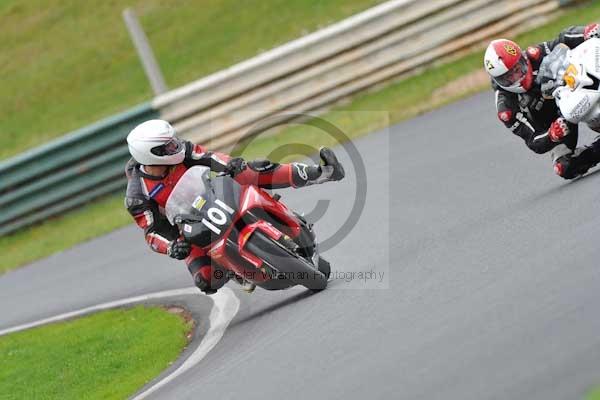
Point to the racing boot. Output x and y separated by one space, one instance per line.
564 168
570 166
589 156
561 158
330 170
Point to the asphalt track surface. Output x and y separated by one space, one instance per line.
491 285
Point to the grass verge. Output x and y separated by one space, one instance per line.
399 100
593 395
107 355
67 63
416 94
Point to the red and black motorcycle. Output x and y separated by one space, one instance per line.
247 231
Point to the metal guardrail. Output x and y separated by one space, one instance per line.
68 172
319 69
383 42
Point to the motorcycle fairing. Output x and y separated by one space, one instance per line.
245 234
580 103
230 255
235 212
213 212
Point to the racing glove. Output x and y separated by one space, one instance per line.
558 130
548 89
179 249
235 166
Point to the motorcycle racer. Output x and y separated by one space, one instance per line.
159 159
527 113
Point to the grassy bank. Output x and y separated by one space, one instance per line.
67 63
399 100
107 355
416 94
593 395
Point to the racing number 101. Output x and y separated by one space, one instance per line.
217 216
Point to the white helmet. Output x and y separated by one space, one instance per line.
508 66
154 143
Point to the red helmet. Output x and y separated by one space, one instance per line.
508 66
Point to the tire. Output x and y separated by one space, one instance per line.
283 261
324 267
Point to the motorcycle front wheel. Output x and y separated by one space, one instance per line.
284 263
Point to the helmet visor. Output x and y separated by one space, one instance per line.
173 146
514 75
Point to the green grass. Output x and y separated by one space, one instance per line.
107 355
67 63
593 395
362 114
414 95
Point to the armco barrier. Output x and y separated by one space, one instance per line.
306 74
383 42
67 172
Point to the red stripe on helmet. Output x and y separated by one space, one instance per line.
508 51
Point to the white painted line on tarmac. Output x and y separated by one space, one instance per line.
225 306
100 307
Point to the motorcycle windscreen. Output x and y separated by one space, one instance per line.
190 194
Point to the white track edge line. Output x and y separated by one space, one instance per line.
99 307
225 307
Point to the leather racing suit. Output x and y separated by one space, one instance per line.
147 195
530 115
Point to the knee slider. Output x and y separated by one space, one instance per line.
200 282
203 284
564 168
